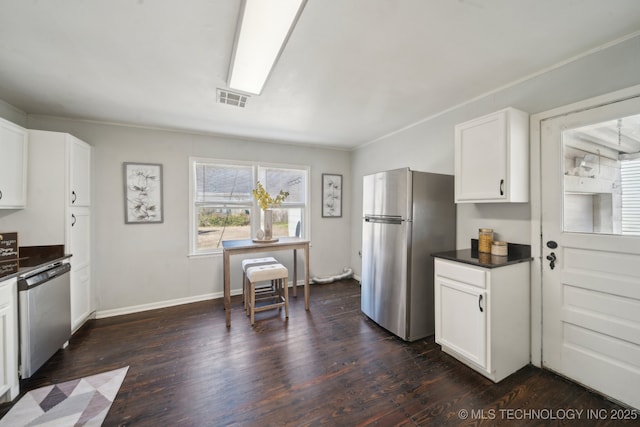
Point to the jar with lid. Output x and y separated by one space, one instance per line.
485 238
499 248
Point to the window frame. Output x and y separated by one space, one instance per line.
255 209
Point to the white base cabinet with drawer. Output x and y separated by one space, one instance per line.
482 315
9 381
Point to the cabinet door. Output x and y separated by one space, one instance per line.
79 172
78 238
79 245
481 158
13 165
461 322
8 341
80 296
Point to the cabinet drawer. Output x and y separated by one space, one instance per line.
461 273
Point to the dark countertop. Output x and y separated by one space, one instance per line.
30 259
516 253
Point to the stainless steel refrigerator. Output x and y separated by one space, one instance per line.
408 215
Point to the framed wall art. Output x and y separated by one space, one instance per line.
331 195
142 193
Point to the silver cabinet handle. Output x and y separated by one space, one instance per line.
502 187
73 220
480 304
73 197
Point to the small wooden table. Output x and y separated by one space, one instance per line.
240 247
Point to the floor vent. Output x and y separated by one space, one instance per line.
231 98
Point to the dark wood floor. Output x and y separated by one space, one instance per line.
329 366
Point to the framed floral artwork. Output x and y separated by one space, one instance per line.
331 195
142 193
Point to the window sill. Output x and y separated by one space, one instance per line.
216 254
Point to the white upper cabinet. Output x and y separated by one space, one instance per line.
13 165
79 172
492 158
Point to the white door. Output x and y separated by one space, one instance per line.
80 172
591 248
481 158
462 319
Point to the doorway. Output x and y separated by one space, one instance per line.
590 247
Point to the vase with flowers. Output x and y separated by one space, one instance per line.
267 203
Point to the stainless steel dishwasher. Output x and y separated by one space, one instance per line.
45 314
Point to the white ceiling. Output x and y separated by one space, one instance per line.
353 70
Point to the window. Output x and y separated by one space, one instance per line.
602 178
630 174
223 206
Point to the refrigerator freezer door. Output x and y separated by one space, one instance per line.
388 194
384 274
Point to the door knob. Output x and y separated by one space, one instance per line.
552 260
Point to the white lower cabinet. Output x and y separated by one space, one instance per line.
78 243
9 382
482 316
80 296
464 329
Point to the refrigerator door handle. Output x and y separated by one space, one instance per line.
384 219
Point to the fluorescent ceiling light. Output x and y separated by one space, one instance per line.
263 29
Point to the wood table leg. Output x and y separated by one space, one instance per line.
306 277
295 273
227 288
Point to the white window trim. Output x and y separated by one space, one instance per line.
193 252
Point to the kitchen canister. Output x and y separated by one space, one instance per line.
499 248
485 238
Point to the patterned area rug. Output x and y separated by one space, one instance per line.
81 402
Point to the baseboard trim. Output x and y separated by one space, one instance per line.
102 314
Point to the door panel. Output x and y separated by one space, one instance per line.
384 274
462 325
387 193
591 289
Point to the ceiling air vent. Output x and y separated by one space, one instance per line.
231 98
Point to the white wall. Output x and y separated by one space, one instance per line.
141 265
144 264
428 146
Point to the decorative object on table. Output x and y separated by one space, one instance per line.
81 402
142 193
485 238
331 195
499 248
267 203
